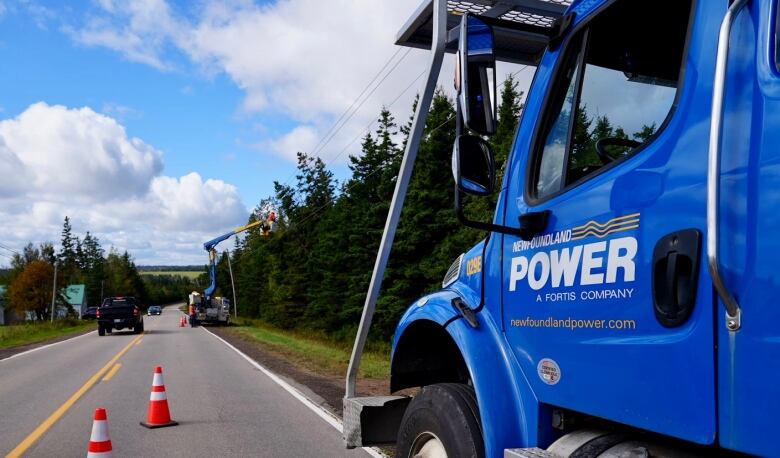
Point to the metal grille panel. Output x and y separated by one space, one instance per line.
516 14
529 18
452 273
460 7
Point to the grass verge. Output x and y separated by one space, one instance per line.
315 351
36 331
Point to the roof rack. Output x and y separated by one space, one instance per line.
522 28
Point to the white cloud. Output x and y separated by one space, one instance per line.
190 202
79 151
138 29
304 59
120 112
62 161
301 138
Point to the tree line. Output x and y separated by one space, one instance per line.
314 271
82 261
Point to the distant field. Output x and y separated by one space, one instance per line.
183 273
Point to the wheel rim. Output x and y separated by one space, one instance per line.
427 445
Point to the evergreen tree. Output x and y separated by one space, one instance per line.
94 268
67 257
421 254
508 117
645 133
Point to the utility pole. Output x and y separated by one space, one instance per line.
235 298
101 291
53 292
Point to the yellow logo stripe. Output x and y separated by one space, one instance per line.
596 224
608 228
601 236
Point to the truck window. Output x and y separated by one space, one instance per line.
777 36
614 90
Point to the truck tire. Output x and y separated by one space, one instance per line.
101 330
443 420
139 328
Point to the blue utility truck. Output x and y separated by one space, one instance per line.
625 299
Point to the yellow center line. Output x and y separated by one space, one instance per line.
139 340
113 371
54 417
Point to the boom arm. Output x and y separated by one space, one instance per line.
267 226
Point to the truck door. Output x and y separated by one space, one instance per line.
608 309
749 248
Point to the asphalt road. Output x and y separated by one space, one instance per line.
225 406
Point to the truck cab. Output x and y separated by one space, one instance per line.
625 286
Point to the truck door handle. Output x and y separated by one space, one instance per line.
675 276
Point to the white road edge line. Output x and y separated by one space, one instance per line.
322 413
46 346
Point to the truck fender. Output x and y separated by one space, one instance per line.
434 344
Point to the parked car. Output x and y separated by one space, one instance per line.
89 314
154 310
119 313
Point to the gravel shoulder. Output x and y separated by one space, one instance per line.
328 389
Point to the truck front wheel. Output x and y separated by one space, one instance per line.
442 421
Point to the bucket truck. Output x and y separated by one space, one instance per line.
215 309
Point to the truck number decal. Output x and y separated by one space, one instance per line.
474 266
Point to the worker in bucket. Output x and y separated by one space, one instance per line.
269 225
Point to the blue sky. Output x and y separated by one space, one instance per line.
157 125
194 118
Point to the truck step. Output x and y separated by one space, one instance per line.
373 420
534 452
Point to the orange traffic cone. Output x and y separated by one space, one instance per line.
99 442
181 321
158 415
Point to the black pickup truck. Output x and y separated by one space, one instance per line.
120 313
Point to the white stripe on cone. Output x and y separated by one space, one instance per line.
99 431
158 396
158 380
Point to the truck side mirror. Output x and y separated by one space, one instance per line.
473 165
475 74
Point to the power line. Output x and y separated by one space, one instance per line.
359 97
518 71
370 83
9 249
368 127
363 132
365 99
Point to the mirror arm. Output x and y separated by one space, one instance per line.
490 227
